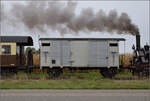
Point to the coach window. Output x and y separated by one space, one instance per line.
6 50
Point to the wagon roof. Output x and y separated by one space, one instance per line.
20 40
118 39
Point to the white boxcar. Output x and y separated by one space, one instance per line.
79 52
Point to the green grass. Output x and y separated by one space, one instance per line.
91 80
33 75
124 75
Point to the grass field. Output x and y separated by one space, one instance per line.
92 80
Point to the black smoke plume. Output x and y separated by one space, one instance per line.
61 17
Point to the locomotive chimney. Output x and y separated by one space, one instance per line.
138 42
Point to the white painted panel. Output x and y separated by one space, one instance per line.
98 54
93 53
102 53
114 54
45 58
60 52
79 53
55 53
44 54
65 48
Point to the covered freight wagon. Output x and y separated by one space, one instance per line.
101 53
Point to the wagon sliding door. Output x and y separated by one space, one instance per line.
98 54
79 53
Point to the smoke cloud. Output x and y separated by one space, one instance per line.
61 17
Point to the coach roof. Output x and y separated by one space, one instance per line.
20 40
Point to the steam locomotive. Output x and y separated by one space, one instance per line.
140 63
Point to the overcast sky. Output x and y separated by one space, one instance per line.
138 11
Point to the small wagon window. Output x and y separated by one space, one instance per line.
113 44
6 49
45 44
53 61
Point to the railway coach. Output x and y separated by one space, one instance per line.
12 55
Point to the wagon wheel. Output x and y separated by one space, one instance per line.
54 72
108 73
